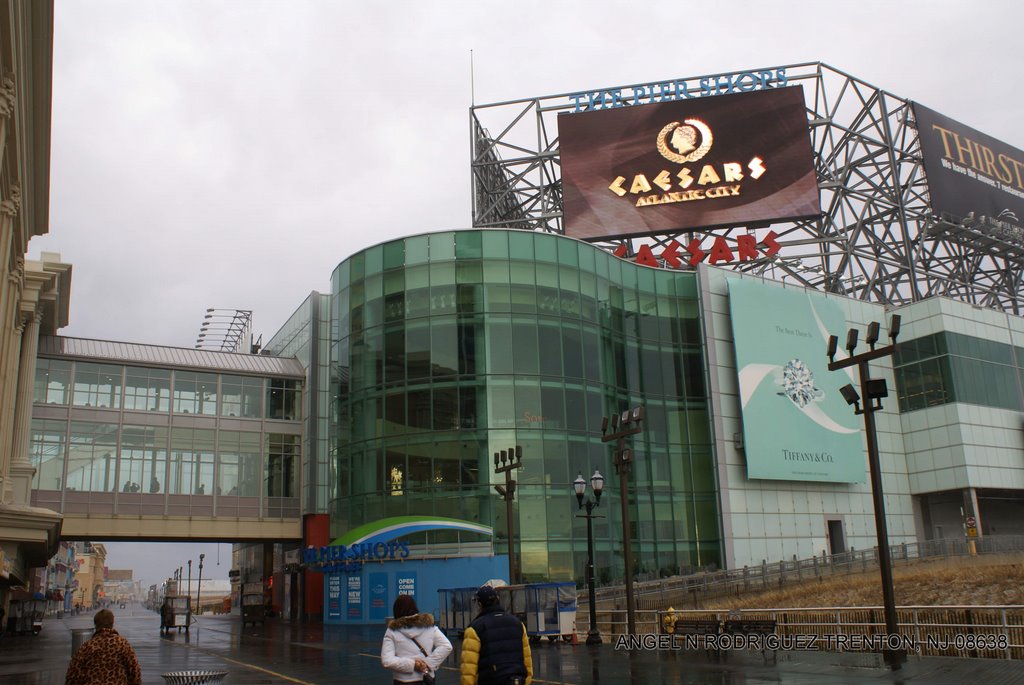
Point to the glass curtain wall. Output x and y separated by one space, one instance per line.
453 346
126 462
949 367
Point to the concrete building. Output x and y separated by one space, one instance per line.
91 575
33 294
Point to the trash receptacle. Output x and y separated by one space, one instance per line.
194 677
78 638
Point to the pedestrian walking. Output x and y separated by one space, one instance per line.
413 647
166 617
105 659
495 647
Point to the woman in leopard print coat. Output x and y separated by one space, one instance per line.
105 659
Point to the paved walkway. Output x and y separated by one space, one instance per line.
312 654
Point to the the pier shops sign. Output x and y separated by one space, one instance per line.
380 541
679 89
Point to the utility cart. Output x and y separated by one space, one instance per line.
36 610
174 614
253 609
19 617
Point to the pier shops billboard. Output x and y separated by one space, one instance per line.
725 160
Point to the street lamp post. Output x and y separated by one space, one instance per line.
623 425
873 390
199 585
188 593
580 486
510 460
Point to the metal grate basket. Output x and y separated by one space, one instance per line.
194 677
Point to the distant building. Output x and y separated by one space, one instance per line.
92 559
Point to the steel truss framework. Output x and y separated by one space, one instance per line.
876 239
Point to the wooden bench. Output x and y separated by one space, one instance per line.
698 626
752 627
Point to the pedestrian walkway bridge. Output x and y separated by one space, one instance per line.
144 442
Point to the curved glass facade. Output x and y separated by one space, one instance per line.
449 347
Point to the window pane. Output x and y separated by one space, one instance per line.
499 347
147 389
195 393
282 473
52 382
46 453
241 396
144 454
92 461
97 385
417 351
282 399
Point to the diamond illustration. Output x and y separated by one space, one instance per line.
798 383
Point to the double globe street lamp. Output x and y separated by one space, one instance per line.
580 486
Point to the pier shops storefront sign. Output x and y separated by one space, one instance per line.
380 540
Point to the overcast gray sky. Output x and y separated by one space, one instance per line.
231 153
154 562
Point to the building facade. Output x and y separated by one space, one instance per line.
91 575
454 346
147 441
33 293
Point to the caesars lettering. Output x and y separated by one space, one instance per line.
731 172
666 91
746 249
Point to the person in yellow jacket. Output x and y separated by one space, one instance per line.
495 647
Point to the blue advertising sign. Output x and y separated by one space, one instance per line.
378 585
406 582
333 597
355 598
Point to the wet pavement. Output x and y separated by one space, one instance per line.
279 652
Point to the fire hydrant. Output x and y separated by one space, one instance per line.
668 621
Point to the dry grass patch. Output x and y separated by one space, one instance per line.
971 581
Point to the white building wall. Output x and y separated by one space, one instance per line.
772 520
957 446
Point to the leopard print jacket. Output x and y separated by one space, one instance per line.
105 659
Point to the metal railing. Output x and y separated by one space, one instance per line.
965 631
691 589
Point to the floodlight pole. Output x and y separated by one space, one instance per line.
510 460
872 404
630 425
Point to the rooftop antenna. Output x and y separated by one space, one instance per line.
472 83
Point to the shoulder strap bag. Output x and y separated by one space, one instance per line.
428 677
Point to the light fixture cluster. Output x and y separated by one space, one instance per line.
580 486
875 388
226 330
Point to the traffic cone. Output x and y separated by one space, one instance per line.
575 641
